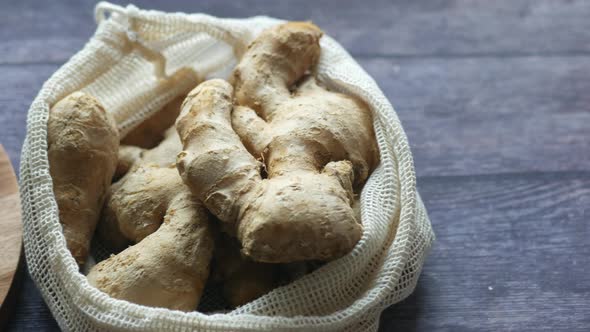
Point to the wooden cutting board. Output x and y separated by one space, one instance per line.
11 235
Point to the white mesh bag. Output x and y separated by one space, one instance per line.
138 61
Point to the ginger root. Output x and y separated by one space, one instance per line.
168 268
82 143
128 155
242 280
151 206
138 202
316 147
150 132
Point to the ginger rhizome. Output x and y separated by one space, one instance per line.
241 279
82 141
279 167
151 206
149 133
168 268
138 202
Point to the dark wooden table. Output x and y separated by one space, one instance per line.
495 99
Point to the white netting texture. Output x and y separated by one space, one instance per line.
138 61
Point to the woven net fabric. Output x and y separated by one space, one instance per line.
136 62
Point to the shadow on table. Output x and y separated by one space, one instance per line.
30 313
405 316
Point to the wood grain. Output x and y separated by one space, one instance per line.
491 115
30 312
37 32
511 254
10 236
462 116
18 87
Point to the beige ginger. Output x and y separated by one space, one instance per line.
82 141
168 268
150 206
241 279
315 145
138 202
149 133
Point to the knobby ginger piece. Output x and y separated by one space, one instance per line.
168 268
151 131
82 141
150 206
316 147
137 203
242 280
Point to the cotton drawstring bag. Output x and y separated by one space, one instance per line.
138 61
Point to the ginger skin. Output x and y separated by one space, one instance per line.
151 131
168 268
82 149
316 146
128 155
138 202
151 206
242 280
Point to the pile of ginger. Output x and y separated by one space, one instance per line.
246 183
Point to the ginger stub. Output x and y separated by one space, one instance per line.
242 280
168 268
82 141
150 206
315 145
137 203
149 133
